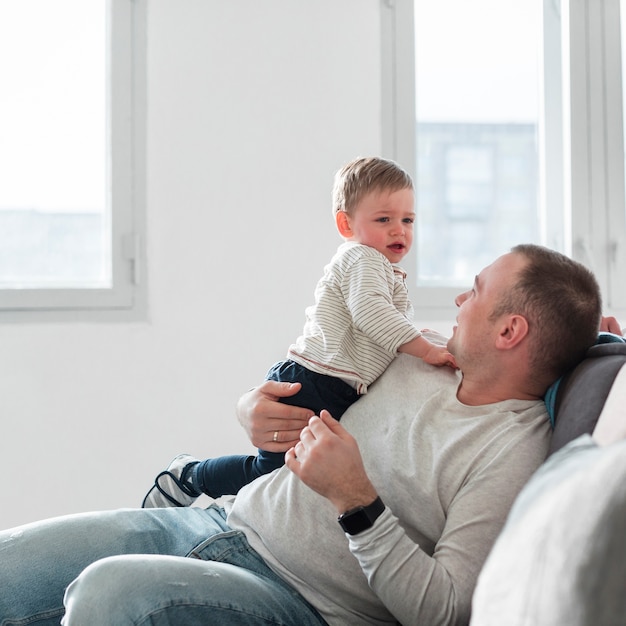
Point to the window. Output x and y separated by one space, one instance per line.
70 154
597 145
512 127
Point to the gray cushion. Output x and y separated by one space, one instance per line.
582 392
560 558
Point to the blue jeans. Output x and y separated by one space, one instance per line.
145 566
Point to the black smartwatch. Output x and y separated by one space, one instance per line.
361 518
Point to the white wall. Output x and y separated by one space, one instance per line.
252 106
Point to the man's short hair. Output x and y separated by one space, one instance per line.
560 298
364 175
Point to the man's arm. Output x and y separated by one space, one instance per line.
413 585
272 425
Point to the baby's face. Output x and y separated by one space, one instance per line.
384 221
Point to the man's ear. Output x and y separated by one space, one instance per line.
512 331
343 224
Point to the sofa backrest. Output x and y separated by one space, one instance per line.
582 392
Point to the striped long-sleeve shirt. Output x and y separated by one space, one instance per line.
361 316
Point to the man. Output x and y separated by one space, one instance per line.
422 488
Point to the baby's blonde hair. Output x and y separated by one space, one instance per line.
364 175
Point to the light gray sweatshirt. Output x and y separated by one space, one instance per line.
448 474
361 316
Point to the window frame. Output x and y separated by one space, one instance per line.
398 132
586 178
597 145
125 158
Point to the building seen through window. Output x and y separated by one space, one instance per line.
477 123
51 248
476 190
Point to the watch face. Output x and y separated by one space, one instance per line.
361 518
356 522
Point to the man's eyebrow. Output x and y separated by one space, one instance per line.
476 282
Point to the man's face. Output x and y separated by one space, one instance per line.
475 333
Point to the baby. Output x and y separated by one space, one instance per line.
360 321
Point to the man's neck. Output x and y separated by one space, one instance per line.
476 392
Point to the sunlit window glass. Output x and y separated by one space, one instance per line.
54 223
622 9
477 99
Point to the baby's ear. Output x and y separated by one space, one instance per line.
343 224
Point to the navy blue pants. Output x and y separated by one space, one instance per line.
228 474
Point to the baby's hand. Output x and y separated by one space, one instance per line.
439 356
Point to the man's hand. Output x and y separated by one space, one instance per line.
610 325
327 459
272 425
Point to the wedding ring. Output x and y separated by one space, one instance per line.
275 437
